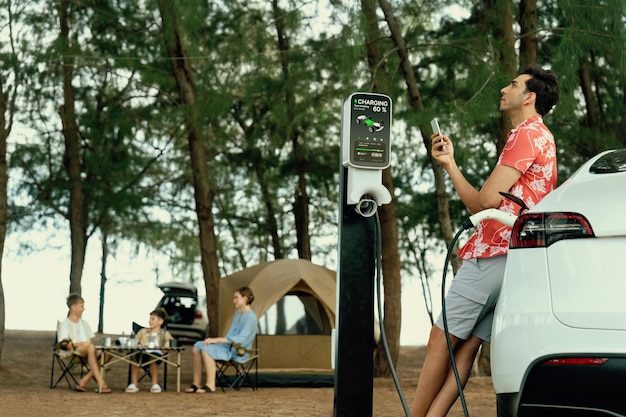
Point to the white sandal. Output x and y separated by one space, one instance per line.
156 388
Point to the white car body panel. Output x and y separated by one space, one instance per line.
579 289
525 328
568 298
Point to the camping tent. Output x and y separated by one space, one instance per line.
270 281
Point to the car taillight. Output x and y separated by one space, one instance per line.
576 361
198 314
543 229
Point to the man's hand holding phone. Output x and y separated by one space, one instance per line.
434 124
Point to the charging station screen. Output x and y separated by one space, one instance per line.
370 123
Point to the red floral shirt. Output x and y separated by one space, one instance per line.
530 149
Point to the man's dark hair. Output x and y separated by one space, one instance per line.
545 85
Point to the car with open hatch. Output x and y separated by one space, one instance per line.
187 314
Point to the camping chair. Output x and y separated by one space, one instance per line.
146 369
67 364
240 371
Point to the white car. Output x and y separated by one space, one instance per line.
559 331
187 313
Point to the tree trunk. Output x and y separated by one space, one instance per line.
586 86
270 213
593 115
392 320
4 133
499 15
272 225
203 191
76 210
301 197
528 30
415 101
104 256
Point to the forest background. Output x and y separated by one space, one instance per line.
203 136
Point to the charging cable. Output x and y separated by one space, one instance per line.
383 338
502 217
464 227
494 214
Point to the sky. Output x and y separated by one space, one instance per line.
36 286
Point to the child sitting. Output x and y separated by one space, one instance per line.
152 338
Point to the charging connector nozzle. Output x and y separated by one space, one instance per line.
367 206
503 217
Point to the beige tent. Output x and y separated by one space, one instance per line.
270 281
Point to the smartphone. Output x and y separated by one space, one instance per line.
435 126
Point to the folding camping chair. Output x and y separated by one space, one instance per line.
146 369
234 373
67 364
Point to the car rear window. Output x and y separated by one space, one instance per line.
610 163
180 309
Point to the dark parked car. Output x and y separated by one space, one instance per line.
187 319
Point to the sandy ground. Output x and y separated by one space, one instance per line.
25 390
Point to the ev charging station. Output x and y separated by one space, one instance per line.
365 152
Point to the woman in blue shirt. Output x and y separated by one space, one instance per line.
242 331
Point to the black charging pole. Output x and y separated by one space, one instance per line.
354 360
365 151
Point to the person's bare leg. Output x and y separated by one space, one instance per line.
154 373
434 372
197 367
134 375
89 350
210 368
83 382
464 355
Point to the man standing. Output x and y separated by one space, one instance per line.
526 168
